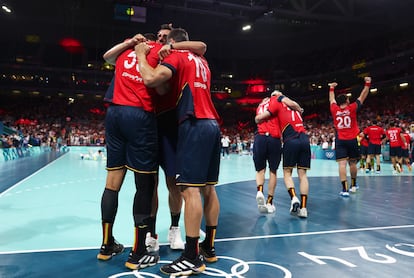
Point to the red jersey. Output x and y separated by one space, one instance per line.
364 141
271 126
407 141
191 85
375 134
290 121
166 102
394 137
345 120
129 87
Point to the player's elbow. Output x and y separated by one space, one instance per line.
109 59
203 48
150 82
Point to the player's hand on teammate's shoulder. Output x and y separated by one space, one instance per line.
142 48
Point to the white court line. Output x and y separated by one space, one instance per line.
28 177
234 239
318 233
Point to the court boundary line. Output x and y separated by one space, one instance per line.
232 239
28 177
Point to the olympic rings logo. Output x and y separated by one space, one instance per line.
236 271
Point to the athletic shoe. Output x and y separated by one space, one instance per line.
184 267
261 202
136 261
303 213
294 205
174 238
260 198
109 250
353 189
152 243
262 209
270 208
367 171
344 194
209 255
377 172
398 168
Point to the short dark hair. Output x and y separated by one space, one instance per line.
150 36
341 99
166 26
178 35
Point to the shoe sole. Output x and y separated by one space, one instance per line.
103 257
211 260
305 215
260 200
185 273
262 208
208 259
138 266
294 208
270 209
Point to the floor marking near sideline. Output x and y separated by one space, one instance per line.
28 177
317 233
233 239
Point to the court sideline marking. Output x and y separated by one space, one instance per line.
236 238
28 177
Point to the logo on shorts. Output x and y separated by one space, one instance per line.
329 155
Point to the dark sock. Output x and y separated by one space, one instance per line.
139 242
353 181
107 237
191 247
210 236
344 186
269 199
292 192
175 218
303 200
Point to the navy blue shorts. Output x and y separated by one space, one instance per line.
131 139
167 142
297 152
363 150
395 151
405 153
374 149
347 149
266 149
198 152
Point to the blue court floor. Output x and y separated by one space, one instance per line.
50 223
